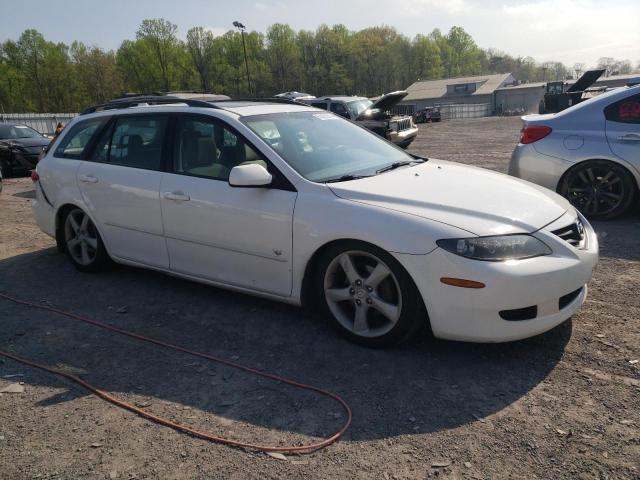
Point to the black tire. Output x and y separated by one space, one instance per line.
599 189
412 317
99 258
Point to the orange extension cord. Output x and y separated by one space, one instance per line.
177 426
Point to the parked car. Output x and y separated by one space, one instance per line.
589 153
427 115
20 147
373 115
298 205
295 96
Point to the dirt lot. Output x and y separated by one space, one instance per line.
562 405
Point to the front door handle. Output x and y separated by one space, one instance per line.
88 179
629 137
176 196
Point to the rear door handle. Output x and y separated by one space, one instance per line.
176 196
88 179
630 137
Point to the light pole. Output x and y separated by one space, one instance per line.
242 28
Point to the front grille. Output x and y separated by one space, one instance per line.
568 298
404 124
572 234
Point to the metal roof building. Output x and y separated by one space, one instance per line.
472 96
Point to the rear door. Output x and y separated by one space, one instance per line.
623 129
120 184
236 236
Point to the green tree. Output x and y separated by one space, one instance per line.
160 36
283 56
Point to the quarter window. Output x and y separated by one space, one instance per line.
205 148
75 143
626 110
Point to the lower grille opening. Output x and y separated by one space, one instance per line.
526 313
568 298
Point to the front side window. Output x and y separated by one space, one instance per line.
626 110
206 148
324 147
136 142
75 143
339 109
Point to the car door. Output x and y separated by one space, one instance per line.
120 184
236 236
623 129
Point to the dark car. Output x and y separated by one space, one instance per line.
426 115
373 114
20 148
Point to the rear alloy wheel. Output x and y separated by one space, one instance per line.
599 189
83 243
369 296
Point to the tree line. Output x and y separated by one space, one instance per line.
37 75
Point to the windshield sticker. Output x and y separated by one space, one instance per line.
325 116
21 126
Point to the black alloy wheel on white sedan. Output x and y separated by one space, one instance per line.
368 296
83 243
599 189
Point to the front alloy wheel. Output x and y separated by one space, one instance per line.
369 296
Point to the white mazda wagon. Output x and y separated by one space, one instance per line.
281 200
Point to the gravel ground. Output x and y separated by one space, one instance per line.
565 404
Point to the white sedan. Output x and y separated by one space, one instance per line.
296 204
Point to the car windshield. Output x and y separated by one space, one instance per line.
18 131
356 108
324 147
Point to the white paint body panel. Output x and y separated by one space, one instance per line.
239 236
261 240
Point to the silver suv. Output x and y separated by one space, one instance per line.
372 114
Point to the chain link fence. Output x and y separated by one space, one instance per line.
42 122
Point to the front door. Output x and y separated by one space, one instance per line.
120 184
236 236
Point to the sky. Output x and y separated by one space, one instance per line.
569 31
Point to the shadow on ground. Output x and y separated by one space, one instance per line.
425 386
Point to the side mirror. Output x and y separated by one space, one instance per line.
250 175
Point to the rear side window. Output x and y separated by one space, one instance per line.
626 110
75 143
133 142
319 105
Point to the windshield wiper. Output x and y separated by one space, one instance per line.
345 178
395 165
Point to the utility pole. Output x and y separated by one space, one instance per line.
242 28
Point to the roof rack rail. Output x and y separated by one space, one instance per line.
265 100
126 102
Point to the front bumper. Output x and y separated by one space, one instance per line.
474 314
529 164
403 137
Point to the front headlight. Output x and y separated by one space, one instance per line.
496 248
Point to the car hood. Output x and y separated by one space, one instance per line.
27 142
479 201
388 100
